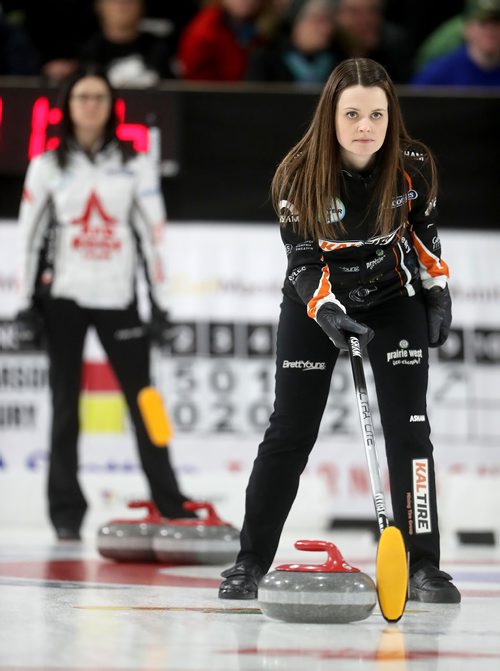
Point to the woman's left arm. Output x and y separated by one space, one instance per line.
434 271
148 219
423 229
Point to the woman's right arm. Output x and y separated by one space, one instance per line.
309 274
307 269
33 221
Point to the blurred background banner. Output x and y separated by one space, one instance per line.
217 379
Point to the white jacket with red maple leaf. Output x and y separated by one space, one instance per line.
85 228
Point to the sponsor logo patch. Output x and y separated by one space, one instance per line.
295 273
421 494
336 212
404 355
417 418
288 212
374 262
305 365
404 198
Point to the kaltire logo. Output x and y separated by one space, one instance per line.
421 496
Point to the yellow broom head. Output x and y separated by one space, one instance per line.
155 416
392 574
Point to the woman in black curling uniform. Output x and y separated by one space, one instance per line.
356 198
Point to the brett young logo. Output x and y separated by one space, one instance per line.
305 365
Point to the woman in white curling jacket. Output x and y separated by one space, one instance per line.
92 212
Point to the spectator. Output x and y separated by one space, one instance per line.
17 53
447 37
58 48
216 44
171 17
476 62
371 36
306 52
91 210
131 58
416 18
449 34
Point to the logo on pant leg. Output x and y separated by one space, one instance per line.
421 496
305 365
405 355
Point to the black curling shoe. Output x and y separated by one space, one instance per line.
430 585
68 534
241 581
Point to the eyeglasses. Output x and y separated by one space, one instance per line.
84 98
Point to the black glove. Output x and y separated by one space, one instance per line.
438 304
160 328
337 325
29 329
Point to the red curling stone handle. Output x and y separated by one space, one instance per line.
335 562
211 519
153 515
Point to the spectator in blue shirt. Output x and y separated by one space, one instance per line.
477 61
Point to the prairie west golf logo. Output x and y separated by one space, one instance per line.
404 355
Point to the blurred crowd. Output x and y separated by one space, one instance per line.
140 42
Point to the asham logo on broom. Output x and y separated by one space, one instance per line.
421 496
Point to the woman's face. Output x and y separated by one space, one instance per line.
361 120
90 105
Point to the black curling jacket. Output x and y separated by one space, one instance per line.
355 269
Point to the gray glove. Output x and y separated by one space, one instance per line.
438 304
160 328
337 326
29 329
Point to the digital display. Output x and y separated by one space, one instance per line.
29 119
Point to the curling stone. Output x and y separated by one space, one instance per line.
131 540
197 541
333 592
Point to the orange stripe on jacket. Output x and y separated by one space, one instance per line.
396 267
435 266
410 187
321 292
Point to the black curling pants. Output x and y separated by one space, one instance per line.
305 360
127 347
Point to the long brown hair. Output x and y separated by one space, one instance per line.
310 174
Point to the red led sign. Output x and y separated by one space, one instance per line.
29 121
44 117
